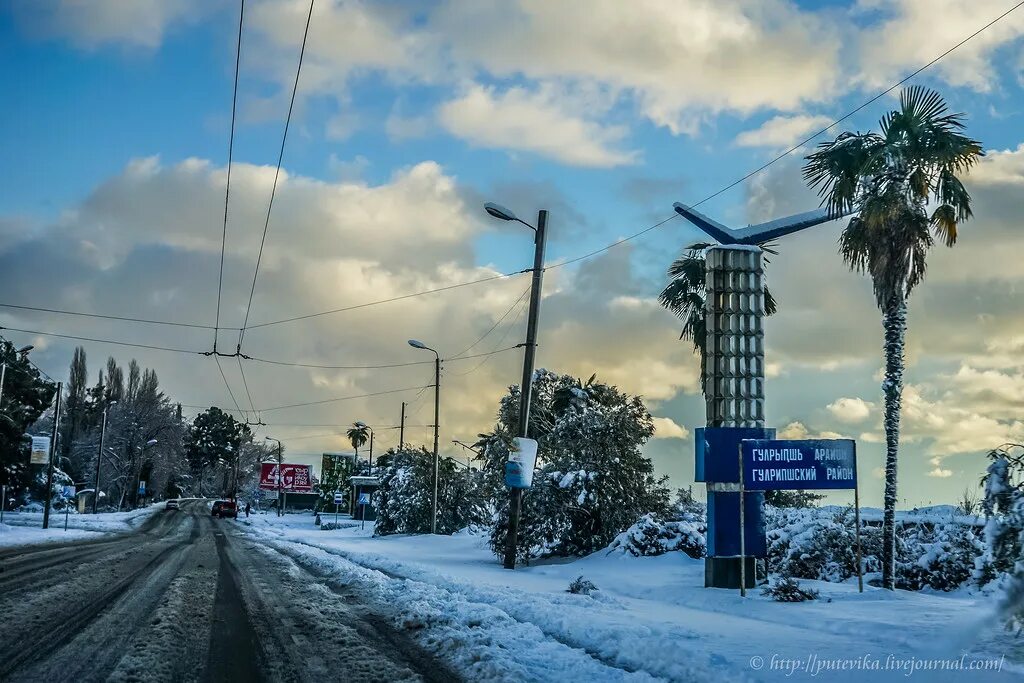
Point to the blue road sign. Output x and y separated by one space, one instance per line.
364 498
772 464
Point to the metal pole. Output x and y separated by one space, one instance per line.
3 375
280 480
526 386
743 530
3 501
99 456
437 426
856 512
371 452
401 429
53 451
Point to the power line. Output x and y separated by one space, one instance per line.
104 341
338 367
245 384
277 174
227 186
511 326
496 322
148 321
390 300
340 398
226 384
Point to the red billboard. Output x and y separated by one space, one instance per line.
297 478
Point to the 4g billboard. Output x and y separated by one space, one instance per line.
297 478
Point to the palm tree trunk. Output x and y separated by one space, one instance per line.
894 322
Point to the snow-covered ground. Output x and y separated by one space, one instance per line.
23 528
651 619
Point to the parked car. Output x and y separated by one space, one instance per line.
224 508
172 504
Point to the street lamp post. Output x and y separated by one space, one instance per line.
280 475
99 456
138 476
526 387
437 419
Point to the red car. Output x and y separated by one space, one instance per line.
224 508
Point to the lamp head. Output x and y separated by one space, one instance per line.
359 423
26 349
417 344
500 212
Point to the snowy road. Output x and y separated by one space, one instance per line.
188 598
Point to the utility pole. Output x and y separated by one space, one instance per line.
437 427
526 387
99 456
401 429
53 452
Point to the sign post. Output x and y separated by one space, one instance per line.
743 532
364 500
338 498
774 465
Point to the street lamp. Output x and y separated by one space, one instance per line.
526 387
99 457
437 418
363 425
23 351
280 475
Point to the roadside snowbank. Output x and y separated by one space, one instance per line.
651 615
24 528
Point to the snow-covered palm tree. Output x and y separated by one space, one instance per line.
903 183
685 295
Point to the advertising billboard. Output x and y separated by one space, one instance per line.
296 478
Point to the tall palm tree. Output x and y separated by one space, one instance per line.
900 182
685 295
358 434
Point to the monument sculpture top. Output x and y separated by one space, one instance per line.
752 234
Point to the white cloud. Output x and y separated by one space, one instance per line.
892 46
782 131
850 410
537 121
139 23
666 428
940 473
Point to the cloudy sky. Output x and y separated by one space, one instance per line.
410 115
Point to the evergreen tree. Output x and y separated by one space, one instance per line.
592 482
74 402
26 396
214 438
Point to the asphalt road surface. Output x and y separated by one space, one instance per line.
188 598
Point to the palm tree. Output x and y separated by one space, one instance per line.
358 434
892 180
685 295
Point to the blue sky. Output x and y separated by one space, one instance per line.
410 115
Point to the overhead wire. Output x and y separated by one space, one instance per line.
496 322
508 329
227 185
277 174
340 398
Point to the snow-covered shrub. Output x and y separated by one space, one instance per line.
1004 530
591 483
813 543
581 586
652 535
330 526
787 589
404 500
937 555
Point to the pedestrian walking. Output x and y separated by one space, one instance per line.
247 508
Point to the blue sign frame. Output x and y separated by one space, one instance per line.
805 464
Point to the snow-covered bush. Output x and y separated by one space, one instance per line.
813 543
404 500
591 483
652 535
787 589
937 555
581 586
1004 530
